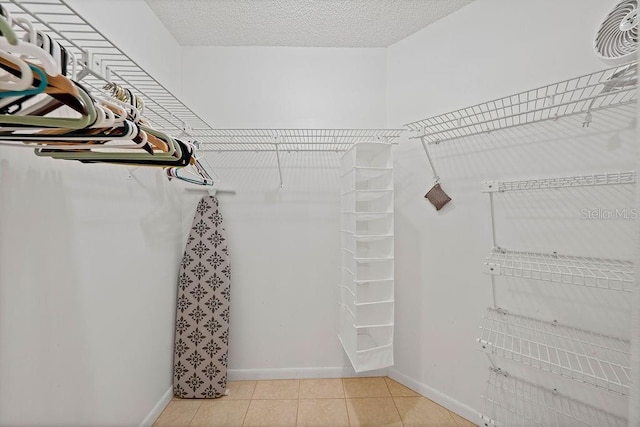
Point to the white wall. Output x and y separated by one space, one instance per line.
272 87
489 49
88 268
284 243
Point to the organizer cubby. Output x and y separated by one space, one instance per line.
366 288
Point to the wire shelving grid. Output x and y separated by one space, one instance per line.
299 140
587 357
102 61
513 402
566 269
613 178
552 267
580 95
281 141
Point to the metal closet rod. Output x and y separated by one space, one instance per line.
211 191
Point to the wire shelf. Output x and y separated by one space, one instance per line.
308 140
581 95
601 273
614 178
513 402
584 356
106 62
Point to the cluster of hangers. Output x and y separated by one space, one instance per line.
43 107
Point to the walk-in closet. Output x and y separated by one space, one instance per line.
319 213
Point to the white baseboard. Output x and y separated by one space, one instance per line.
440 398
157 410
296 373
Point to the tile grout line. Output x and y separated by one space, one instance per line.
298 401
451 416
344 391
394 401
346 408
246 413
194 414
249 405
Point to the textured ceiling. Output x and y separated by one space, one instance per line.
316 23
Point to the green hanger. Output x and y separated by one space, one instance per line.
56 122
7 31
162 158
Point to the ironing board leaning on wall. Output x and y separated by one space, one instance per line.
202 312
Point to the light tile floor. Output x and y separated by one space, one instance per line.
338 402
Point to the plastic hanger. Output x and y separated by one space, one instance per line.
84 139
102 121
30 35
139 159
26 75
201 175
59 87
64 59
181 155
52 46
204 180
31 50
7 31
78 138
173 157
37 90
120 114
60 122
57 139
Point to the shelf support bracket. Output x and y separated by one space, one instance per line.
492 268
275 144
490 187
488 420
436 178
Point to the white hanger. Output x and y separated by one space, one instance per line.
26 75
31 35
74 64
121 114
27 49
105 117
53 47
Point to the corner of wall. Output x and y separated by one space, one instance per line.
440 398
155 412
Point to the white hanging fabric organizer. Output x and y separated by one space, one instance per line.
366 290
